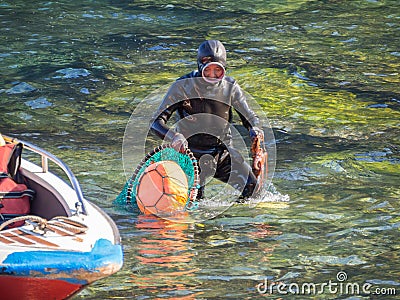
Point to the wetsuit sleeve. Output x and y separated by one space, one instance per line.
239 101
159 124
159 121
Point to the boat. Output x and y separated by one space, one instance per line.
65 242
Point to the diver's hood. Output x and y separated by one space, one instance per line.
211 51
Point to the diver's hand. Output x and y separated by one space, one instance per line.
179 142
256 132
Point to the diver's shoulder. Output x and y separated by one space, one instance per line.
192 74
230 79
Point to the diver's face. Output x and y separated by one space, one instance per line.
213 71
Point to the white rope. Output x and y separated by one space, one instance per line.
74 226
42 222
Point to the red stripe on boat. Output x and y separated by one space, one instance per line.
29 288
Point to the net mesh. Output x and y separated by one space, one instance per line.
163 153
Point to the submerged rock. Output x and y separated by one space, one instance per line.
21 88
40 102
159 48
73 73
85 91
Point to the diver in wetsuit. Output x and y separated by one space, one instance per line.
203 101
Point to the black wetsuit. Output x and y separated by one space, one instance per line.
205 111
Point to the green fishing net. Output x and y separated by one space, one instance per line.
185 160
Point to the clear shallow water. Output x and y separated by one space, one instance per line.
326 74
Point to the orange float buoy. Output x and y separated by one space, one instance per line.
162 189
